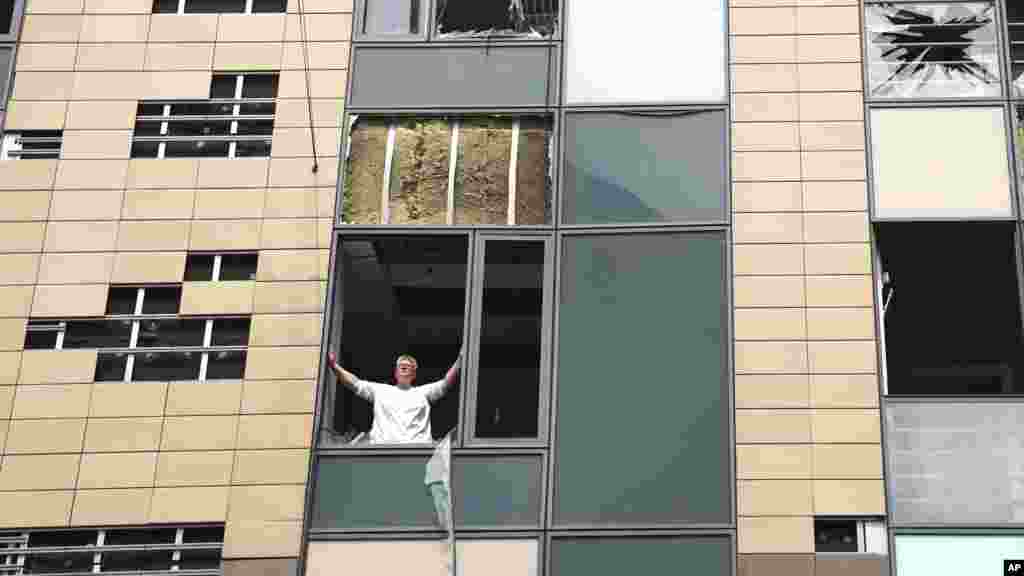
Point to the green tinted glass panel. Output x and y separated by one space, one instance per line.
609 556
642 430
636 168
389 492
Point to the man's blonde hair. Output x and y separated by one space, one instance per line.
407 358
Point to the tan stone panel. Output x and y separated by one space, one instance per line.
173 28
18 268
763 49
111 507
292 202
846 426
261 539
21 236
278 396
773 462
768 228
120 470
214 235
251 28
765 108
194 468
70 300
290 265
771 357
836 227
53 28
87 205
107 115
764 78
179 56
42 86
109 85
158 204
322 55
26 204
9 365
12 333
773 426
770 324
294 363
110 57
15 300
834 77
53 7
294 112
270 467
162 173
199 433
233 172
772 391
287 297
828 20
35 509
167 235
107 28
91 174
834 165
57 366
844 390
832 136
847 461
230 203
117 399
315 6
29 115
776 535
781 259
67 401
139 267
837 259
118 6
842 357
274 431
49 436
849 497
234 297
766 166
34 175
203 398
245 56
762 21
829 48
831 106
286 330
839 291
39 472
766 137
6 404
193 84
774 497
320 27
840 323
835 196
328 198
298 173
189 504
290 233
102 145
266 502
296 143
123 434
768 291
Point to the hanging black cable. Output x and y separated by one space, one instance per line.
309 98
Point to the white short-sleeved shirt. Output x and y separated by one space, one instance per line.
400 416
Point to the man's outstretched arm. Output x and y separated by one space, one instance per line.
435 390
347 378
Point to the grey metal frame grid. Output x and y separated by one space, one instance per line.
10 40
556 232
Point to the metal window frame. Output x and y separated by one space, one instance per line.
12 145
16 16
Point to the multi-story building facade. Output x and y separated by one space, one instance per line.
671 276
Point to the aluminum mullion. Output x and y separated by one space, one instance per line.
179 539
453 161
385 206
236 108
97 558
181 7
216 268
513 158
204 359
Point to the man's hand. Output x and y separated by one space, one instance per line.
332 359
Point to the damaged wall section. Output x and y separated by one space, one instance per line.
482 18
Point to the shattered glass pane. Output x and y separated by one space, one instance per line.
481 178
533 172
420 165
392 17
476 18
364 173
933 50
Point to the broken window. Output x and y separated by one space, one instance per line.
481 18
391 17
932 50
953 327
218 6
473 171
237 121
849 535
221 267
31 144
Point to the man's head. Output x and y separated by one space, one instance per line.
405 371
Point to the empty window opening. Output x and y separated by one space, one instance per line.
470 18
850 535
399 296
218 6
951 308
31 145
221 267
474 171
389 17
7 16
237 121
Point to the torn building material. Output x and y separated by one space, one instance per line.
482 18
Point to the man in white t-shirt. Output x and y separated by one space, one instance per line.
401 413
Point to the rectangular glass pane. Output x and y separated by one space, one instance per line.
641 556
61 538
5 74
391 17
170 333
165 6
482 173
111 367
637 168
252 149
230 332
238 267
58 562
533 171
364 173
501 18
497 491
509 365
145 149
136 561
226 365
136 537
642 357
162 300
259 86
199 128
166 366
203 535
419 178
200 559
214 6
199 268
98 334
196 149
956 554
40 339
649 35
268 6
121 300
7 19
932 50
